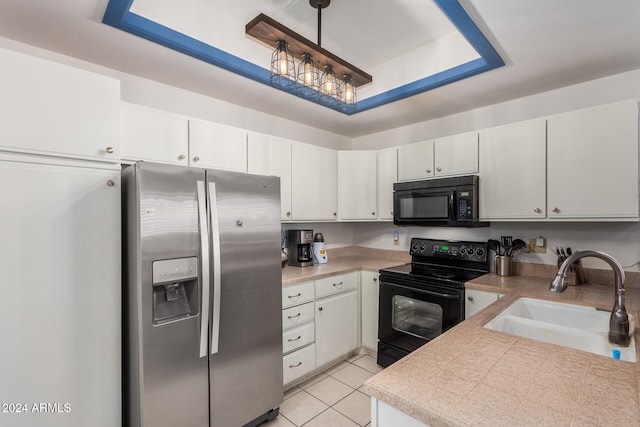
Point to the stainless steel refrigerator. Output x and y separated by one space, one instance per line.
202 297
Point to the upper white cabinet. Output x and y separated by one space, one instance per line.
387 176
513 171
592 160
357 185
447 156
153 135
415 161
54 109
270 155
456 154
216 146
314 184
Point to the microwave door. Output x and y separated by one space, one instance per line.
425 206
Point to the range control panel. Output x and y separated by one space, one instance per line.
469 251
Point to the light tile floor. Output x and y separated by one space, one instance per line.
332 398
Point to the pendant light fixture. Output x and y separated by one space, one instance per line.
327 88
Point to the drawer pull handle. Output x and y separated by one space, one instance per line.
294 339
337 284
293 317
295 296
296 365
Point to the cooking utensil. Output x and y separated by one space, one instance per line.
494 245
507 242
518 245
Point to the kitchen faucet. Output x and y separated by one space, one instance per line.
619 321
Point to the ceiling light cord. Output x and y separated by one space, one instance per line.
319 7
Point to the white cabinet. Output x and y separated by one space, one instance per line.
513 171
476 300
592 158
456 154
269 155
369 295
357 185
298 331
314 172
54 109
448 156
153 135
216 146
415 161
61 342
336 326
387 176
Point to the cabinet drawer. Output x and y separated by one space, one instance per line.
335 284
297 294
298 315
298 337
298 363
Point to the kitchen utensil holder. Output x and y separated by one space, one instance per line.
502 265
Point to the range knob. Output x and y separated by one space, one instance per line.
470 251
480 251
423 247
463 250
415 247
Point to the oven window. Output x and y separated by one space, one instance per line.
415 317
424 206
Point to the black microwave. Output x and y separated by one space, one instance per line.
449 202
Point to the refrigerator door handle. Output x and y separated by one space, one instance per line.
204 251
215 241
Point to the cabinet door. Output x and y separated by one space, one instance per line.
369 301
513 171
387 176
54 109
336 326
415 161
153 135
269 155
476 300
456 154
216 146
357 186
61 342
314 183
593 163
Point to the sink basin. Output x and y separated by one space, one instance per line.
568 325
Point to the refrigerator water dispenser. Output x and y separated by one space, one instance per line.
175 289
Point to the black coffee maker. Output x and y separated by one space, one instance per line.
300 247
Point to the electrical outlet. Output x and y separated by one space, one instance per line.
534 249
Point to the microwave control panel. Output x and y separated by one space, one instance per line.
471 251
465 206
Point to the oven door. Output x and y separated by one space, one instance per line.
412 313
424 206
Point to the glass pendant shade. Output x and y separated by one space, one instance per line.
348 94
329 87
283 69
308 77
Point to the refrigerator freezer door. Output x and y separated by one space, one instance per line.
246 372
166 379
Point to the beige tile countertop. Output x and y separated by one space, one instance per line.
344 260
475 376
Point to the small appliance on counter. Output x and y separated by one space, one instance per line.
319 252
299 247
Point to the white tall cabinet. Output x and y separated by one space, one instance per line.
315 183
357 185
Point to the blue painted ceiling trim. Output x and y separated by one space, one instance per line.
119 16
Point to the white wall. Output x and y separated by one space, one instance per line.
336 234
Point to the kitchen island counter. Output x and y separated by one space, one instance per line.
476 376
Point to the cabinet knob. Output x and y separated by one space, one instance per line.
375 279
555 210
196 158
438 170
470 298
181 157
373 213
109 150
319 308
335 214
428 170
288 213
110 183
537 210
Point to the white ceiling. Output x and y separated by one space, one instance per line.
545 44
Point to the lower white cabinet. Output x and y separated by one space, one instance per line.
383 415
369 294
336 326
476 300
298 363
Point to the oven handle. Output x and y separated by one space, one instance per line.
422 291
